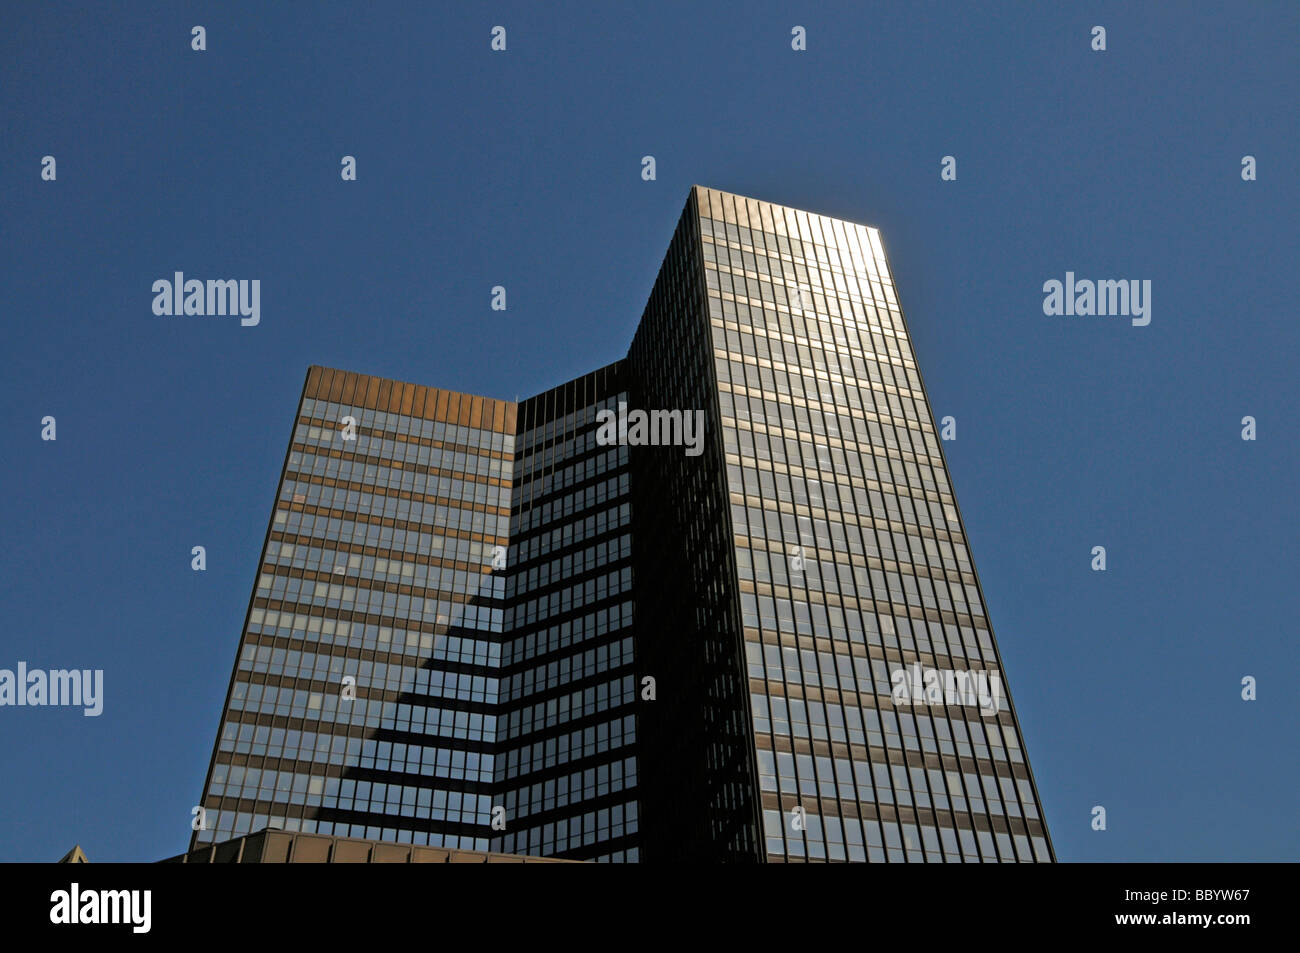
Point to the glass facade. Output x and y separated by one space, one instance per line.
699 781
364 698
851 559
478 625
567 769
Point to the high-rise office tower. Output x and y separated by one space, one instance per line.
364 699
711 602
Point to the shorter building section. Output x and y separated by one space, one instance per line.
288 847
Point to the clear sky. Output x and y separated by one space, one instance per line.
523 169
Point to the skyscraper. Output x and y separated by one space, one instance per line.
580 626
364 700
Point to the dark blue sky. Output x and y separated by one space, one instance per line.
523 169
